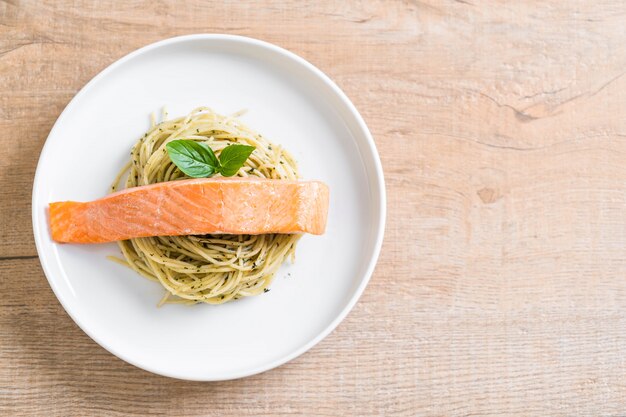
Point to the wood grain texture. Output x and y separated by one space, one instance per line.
501 287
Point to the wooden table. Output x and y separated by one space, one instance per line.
501 287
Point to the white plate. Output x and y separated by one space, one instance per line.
290 102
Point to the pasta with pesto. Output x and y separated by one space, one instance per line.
210 269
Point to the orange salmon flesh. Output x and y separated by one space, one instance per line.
195 207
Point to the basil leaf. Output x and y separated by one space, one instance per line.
195 159
212 158
233 157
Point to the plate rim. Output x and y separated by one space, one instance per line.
380 226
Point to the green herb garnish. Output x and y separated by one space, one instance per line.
197 160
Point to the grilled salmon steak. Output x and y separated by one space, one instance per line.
195 207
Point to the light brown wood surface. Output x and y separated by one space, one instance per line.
501 287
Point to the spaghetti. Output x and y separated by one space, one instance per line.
211 269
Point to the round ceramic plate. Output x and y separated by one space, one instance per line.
287 100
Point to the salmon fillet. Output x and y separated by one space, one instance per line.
195 207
